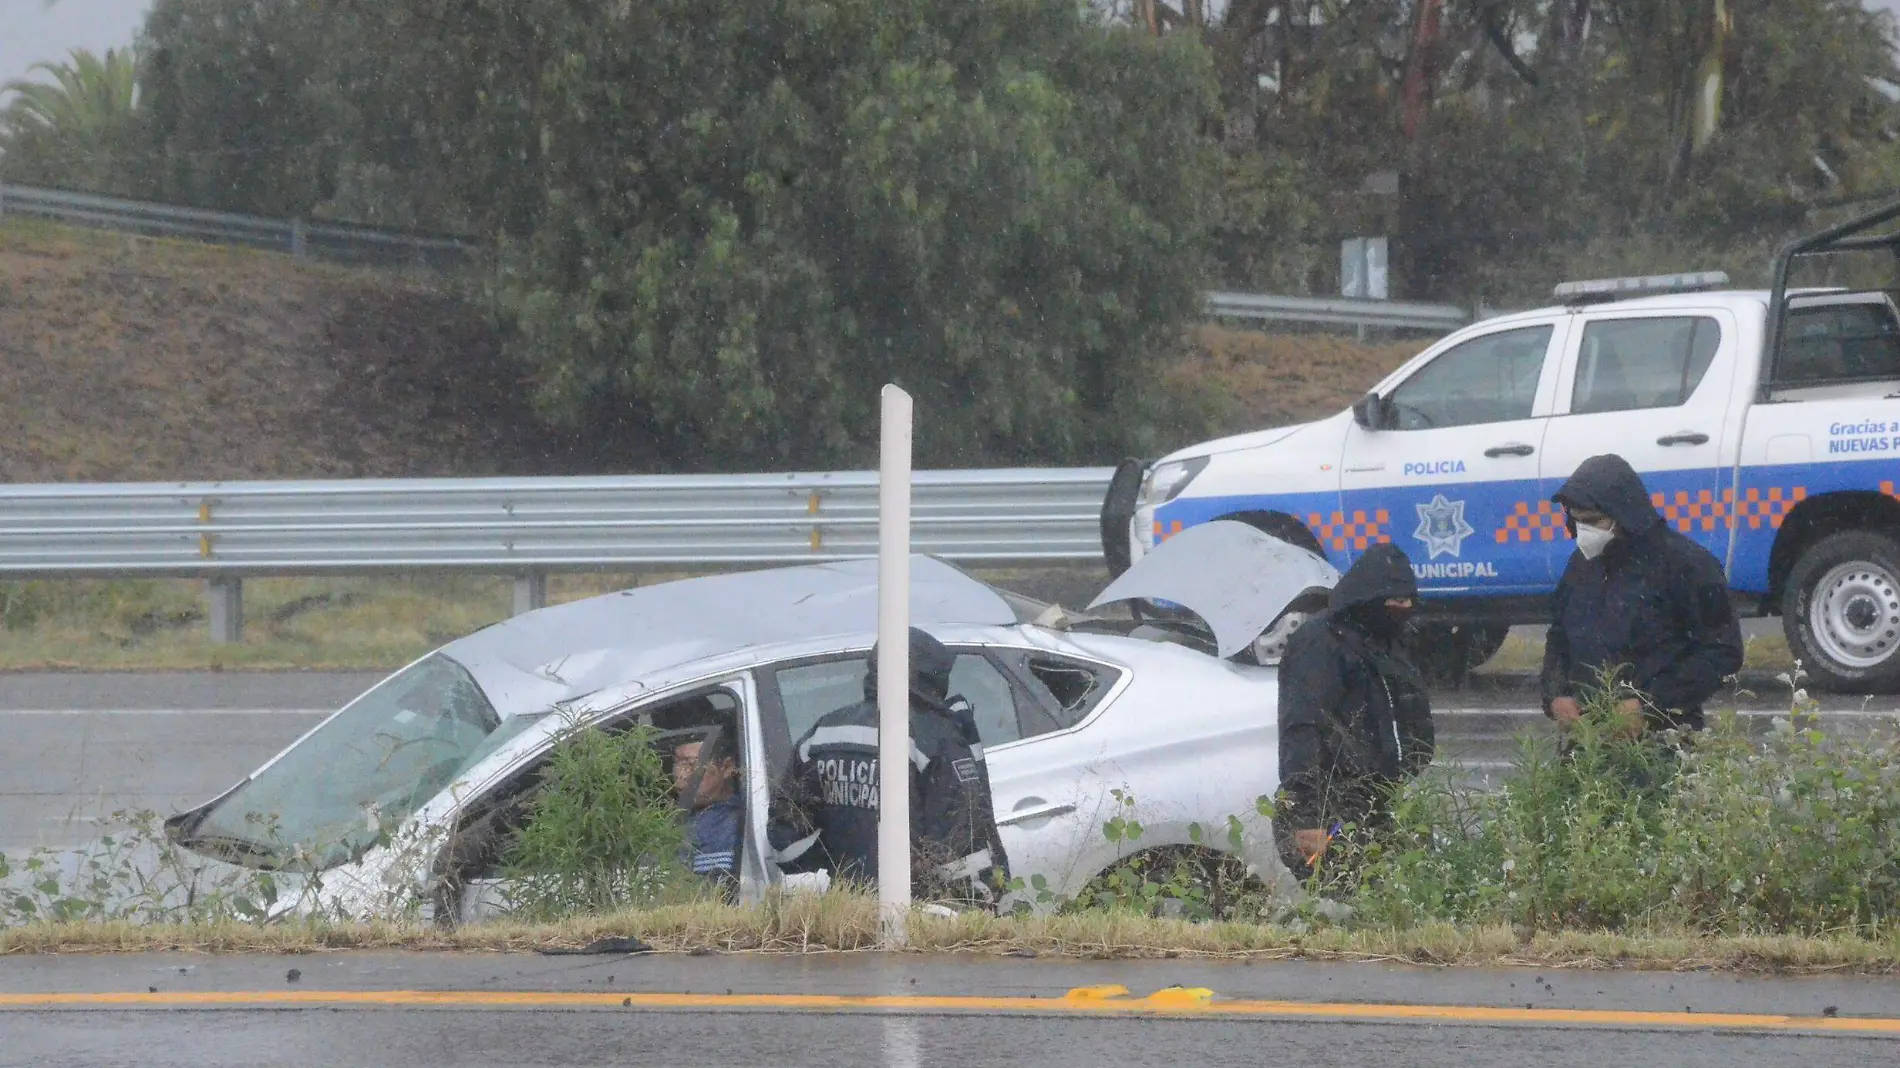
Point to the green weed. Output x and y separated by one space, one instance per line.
603 833
1798 833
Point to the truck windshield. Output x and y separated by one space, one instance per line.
331 797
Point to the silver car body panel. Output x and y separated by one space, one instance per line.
1236 578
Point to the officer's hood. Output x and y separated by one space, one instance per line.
1381 574
1608 484
931 662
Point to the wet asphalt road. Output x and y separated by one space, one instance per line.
399 1037
438 1038
76 748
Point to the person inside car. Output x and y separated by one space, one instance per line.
709 791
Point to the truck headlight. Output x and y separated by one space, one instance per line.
1166 481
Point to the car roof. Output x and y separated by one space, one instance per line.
538 659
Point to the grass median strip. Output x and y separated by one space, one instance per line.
383 622
1110 1001
835 923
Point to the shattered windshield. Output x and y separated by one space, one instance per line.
360 775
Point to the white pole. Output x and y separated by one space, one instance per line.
893 666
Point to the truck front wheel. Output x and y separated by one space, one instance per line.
1841 612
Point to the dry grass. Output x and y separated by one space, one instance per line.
369 623
126 358
378 623
1276 379
843 923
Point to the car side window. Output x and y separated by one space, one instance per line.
487 824
1490 379
1065 690
1630 364
807 692
992 699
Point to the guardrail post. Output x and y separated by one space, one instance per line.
227 609
531 592
299 236
3 200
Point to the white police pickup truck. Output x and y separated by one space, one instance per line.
1766 425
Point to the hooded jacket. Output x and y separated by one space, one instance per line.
834 794
1652 607
1354 715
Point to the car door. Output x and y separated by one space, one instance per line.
1445 465
473 864
1052 787
1652 387
1018 697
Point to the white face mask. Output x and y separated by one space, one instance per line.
1591 541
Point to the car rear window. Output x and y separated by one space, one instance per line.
1847 342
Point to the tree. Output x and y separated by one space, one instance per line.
1532 130
727 223
76 130
241 112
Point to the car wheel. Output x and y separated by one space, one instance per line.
1841 612
1446 652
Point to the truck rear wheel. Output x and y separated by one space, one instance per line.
1841 612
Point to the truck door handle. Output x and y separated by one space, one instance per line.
1684 437
1024 815
1515 448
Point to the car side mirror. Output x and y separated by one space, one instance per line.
1369 412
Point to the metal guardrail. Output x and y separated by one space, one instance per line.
330 241
1338 311
281 528
229 531
371 246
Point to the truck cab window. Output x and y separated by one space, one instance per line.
1490 379
1630 364
1840 341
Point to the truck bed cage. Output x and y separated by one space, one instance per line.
1855 235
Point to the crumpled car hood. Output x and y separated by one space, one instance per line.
1236 578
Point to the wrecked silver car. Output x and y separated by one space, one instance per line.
1165 715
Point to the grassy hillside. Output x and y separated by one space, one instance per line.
127 358
131 359
1274 379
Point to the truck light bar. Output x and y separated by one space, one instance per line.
1599 289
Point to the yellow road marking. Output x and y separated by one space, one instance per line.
1173 1002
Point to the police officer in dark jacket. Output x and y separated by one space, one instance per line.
1355 720
833 802
1640 600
